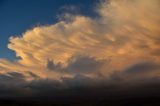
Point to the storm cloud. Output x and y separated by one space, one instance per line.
118 48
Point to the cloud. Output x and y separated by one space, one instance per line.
121 44
85 65
78 65
80 88
143 68
137 74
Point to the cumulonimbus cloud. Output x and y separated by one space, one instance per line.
126 33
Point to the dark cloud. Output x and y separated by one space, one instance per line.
16 84
146 67
11 78
78 65
16 75
52 66
138 73
33 75
85 65
79 89
156 52
78 81
12 84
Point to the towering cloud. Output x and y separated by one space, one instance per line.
123 40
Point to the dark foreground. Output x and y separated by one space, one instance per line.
87 102
111 95
145 96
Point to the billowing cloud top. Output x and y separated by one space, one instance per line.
123 42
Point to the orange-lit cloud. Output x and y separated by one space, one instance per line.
126 34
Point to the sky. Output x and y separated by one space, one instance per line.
65 48
17 16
